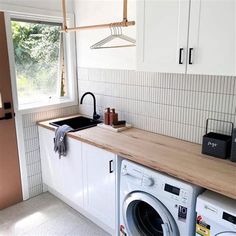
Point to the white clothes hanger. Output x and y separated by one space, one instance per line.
116 32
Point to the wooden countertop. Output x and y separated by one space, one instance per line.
175 157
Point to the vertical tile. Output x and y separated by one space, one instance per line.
172 104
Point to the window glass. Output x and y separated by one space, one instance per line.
39 61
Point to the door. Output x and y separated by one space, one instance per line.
49 160
10 180
162 34
212 37
145 215
99 166
72 173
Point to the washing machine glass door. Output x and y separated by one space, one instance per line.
145 215
226 233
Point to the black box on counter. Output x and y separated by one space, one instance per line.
216 144
233 150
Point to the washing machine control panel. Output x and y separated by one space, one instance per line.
172 189
137 177
178 194
184 196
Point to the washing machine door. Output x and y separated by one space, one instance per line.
145 215
226 233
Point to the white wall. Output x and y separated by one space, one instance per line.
88 12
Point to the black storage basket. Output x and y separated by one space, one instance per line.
216 144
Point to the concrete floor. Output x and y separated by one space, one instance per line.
45 215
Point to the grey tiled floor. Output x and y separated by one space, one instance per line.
45 215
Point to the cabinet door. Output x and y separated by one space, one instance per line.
71 168
162 33
63 175
49 160
100 179
212 36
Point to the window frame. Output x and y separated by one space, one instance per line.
69 54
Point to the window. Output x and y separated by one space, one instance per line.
40 65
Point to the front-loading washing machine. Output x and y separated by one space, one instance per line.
154 204
216 215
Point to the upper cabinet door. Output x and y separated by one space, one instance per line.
162 33
212 37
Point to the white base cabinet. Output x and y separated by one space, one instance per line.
86 178
99 176
64 175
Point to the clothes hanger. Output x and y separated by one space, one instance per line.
116 32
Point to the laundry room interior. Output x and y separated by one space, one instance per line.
118 118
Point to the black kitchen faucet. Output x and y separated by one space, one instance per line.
95 115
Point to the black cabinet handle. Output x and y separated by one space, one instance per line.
190 62
180 55
110 166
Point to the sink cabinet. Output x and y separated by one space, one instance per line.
85 178
64 175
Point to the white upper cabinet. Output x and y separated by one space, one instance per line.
187 36
162 30
212 37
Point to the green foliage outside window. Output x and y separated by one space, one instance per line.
37 59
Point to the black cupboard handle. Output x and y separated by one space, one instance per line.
110 167
190 61
180 56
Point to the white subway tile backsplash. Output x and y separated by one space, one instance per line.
171 104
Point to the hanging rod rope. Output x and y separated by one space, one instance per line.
123 23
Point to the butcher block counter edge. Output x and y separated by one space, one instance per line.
174 157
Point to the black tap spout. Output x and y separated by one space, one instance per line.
95 115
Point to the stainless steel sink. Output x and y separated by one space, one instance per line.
77 123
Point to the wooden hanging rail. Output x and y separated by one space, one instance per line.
123 23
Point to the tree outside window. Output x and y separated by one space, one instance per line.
39 61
